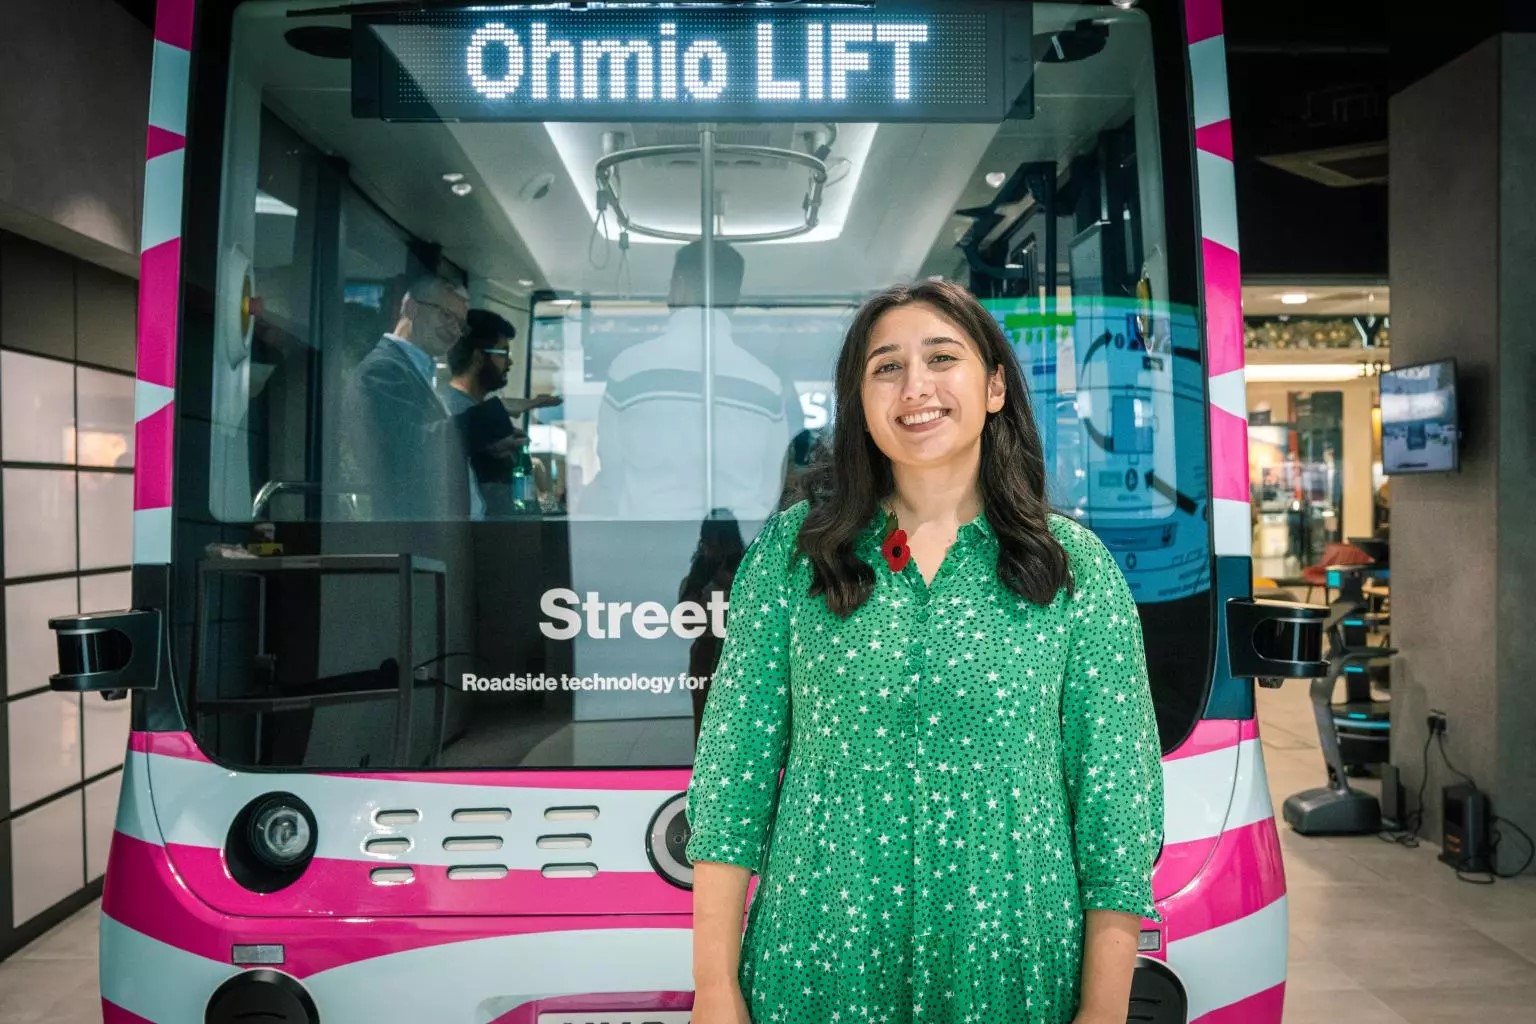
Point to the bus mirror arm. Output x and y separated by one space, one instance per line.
108 653
1271 641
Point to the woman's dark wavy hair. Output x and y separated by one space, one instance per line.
851 476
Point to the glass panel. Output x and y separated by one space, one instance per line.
39 521
39 408
100 815
106 520
45 745
47 857
106 418
31 653
592 535
106 593
106 725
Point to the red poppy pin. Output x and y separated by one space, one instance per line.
895 549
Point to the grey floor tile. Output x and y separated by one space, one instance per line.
1331 1007
1458 1005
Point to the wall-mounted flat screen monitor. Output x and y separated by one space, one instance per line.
1420 431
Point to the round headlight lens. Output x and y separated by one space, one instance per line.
280 834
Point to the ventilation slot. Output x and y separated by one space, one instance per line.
393 847
395 819
391 876
477 872
564 842
479 815
569 870
571 814
472 844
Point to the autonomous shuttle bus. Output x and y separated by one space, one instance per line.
415 653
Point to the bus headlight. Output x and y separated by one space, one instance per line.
271 842
280 834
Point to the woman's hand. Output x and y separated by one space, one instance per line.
720 1003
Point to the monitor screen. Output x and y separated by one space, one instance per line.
1419 427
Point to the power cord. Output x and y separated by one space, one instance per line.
1408 837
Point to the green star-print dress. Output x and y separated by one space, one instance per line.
964 774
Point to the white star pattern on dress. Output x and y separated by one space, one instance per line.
964 776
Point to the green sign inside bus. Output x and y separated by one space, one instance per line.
897 63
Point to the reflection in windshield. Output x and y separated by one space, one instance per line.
515 548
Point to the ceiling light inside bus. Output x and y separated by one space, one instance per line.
453 176
996 178
1294 298
462 188
274 206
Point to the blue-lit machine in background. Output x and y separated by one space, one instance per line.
1355 733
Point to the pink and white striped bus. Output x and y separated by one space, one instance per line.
407 760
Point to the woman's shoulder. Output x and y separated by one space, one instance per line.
780 533
1082 545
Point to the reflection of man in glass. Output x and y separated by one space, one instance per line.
400 437
650 430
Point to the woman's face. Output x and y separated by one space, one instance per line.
925 389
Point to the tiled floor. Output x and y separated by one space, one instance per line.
1380 934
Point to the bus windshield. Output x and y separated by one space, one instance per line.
505 330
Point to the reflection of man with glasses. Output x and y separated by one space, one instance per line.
478 366
401 437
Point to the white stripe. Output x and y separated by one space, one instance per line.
1232 527
168 88
484 978
1196 794
151 536
1218 198
475 980
1250 794
195 803
162 198
1208 76
1233 962
135 806
149 398
154 980
1229 393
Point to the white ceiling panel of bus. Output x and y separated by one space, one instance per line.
895 206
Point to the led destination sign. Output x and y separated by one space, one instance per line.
943 62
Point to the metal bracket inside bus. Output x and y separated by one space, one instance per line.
108 653
707 149
1275 640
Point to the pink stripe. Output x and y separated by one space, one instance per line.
1216 138
660 780
1203 18
167 744
1267 1007
1180 864
152 469
162 142
144 893
1210 734
173 22
1223 309
1243 876
1248 729
596 1004
1229 456
111 1013
329 885
159 290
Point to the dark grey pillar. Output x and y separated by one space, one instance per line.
1463 273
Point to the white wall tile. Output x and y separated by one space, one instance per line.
45 745
31 653
107 593
37 400
105 724
106 520
100 816
105 411
47 857
39 521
